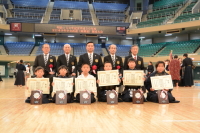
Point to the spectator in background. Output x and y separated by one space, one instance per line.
150 68
27 72
1 78
187 76
167 66
20 80
174 69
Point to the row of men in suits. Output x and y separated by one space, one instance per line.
49 63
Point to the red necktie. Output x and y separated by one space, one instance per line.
135 58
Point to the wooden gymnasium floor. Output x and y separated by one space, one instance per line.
19 117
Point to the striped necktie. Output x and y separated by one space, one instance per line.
67 59
45 59
113 59
90 58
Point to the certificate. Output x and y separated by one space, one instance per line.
64 84
162 82
38 84
133 77
82 84
108 78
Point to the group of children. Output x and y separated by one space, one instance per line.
125 96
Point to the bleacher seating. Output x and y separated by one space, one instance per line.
153 22
188 9
58 5
111 14
163 4
180 48
187 14
163 11
122 50
148 50
28 11
19 48
188 17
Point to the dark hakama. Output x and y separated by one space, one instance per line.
187 76
20 79
152 96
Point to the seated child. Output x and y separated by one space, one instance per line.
85 68
152 95
62 74
127 93
39 72
102 94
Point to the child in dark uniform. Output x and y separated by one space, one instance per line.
127 93
39 72
102 94
62 74
152 94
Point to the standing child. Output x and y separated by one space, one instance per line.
39 72
102 94
127 93
152 94
85 68
62 74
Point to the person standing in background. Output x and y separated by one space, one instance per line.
187 76
174 69
20 79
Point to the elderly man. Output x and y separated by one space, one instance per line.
139 60
68 60
48 62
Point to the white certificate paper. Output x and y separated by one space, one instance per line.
82 84
38 84
65 84
133 77
108 78
161 82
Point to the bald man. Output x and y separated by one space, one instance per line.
46 60
68 60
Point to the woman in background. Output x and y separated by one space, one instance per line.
20 79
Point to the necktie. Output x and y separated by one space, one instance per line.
45 59
135 58
113 59
90 58
67 59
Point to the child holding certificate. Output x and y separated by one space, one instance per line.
85 68
39 72
127 94
152 94
102 94
62 72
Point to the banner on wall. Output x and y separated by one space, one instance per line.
2 70
80 29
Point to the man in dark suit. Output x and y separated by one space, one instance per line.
48 62
139 60
91 58
68 60
115 60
